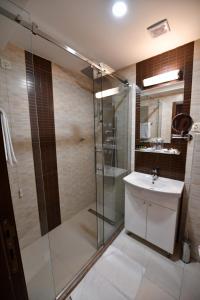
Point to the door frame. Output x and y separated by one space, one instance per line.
12 279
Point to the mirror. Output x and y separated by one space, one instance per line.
158 107
182 124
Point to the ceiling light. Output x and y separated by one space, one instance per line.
107 93
119 9
161 78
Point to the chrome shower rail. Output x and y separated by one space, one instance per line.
33 27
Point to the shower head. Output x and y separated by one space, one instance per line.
92 74
88 72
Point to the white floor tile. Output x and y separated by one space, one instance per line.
122 272
35 257
68 247
41 286
95 287
193 267
191 282
149 291
38 270
131 270
164 273
132 248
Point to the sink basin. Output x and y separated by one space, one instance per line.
161 185
152 209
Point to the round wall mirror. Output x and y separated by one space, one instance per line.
182 124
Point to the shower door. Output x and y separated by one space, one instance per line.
64 98
111 101
47 95
20 178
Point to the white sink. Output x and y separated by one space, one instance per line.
152 209
161 185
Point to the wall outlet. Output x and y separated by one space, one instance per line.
20 193
5 64
196 127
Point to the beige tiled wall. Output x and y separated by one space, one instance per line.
192 176
73 108
73 105
14 100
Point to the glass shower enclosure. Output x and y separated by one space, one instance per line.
69 126
111 115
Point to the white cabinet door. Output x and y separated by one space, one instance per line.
135 214
161 227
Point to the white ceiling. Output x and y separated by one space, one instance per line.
89 27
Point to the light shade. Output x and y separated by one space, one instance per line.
107 93
119 9
161 78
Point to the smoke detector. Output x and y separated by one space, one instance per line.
159 28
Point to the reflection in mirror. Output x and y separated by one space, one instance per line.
158 106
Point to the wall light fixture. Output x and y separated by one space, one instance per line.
161 78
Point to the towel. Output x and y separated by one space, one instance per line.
8 147
145 130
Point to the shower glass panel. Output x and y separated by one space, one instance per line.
112 152
25 187
65 135
64 96
99 157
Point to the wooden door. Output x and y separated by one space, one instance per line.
12 281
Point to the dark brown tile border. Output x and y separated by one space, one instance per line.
40 96
179 58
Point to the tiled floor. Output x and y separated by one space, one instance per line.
132 270
54 259
72 244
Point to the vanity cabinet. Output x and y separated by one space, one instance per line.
161 226
152 215
135 214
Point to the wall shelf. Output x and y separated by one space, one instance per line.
158 151
187 137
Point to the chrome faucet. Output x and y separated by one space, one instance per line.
155 173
